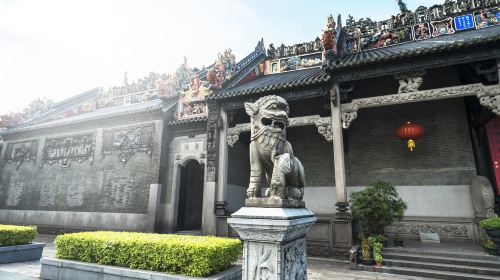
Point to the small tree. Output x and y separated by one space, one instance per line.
377 207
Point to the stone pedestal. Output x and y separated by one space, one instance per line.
342 231
274 241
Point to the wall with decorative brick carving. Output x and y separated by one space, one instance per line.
103 171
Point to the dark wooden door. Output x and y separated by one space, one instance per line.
190 197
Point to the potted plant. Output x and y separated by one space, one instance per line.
377 207
492 226
378 259
366 252
377 253
398 242
489 247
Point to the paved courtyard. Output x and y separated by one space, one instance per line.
319 268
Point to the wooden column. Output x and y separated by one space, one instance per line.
342 236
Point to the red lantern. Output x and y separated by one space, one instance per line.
410 132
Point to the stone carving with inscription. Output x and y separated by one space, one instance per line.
270 153
68 149
21 152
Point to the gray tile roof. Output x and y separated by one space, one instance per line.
273 82
443 43
96 115
189 120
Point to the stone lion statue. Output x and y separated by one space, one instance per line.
270 153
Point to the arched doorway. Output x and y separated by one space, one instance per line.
190 197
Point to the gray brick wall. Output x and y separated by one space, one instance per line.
442 157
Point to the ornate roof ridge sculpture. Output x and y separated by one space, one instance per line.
424 23
283 51
153 86
294 57
225 72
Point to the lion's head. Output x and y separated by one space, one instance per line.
269 113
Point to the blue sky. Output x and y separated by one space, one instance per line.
57 49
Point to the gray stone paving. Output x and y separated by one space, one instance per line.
318 268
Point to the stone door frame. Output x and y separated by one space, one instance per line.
181 162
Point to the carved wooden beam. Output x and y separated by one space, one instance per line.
488 97
322 123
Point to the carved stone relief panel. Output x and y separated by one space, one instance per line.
444 230
492 103
75 193
121 191
65 150
410 82
295 260
48 193
212 129
261 261
126 142
21 152
17 186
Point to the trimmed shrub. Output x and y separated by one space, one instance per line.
16 235
377 207
490 223
197 256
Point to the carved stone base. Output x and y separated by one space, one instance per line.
274 203
275 243
342 234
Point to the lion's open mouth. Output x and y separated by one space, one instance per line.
272 123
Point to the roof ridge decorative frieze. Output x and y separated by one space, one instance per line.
424 23
279 81
283 51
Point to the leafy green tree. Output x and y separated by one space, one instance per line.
377 207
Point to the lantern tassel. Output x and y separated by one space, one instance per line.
411 145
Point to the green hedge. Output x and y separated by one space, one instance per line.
175 254
490 223
16 235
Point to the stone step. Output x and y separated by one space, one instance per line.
442 260
444 267
443 253
428 273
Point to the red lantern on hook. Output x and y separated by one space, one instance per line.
410 132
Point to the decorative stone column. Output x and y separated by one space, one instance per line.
220 203
273 224
275 242
342 227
